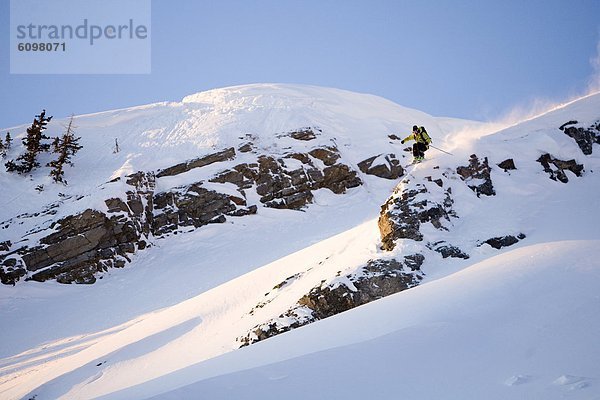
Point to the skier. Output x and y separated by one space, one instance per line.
422 141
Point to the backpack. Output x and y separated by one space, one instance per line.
424 135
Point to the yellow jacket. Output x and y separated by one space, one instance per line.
418 137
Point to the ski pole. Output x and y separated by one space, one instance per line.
443 151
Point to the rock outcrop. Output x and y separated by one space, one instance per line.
303 134
83 245
504 241
584 137
447 250
404 212
375 280
507 165
194 206
288 182
383 166
227 154
76 247
477 176
556 168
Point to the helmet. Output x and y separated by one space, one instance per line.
415 128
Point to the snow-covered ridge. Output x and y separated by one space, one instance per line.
259 127
498 316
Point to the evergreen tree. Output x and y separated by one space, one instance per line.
2 149
65 147
8 141
33 146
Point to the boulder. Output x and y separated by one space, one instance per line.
246 148
504 241
304 134
387 167
447 250
477 176
508 164
329 155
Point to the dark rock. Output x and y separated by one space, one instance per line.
585 138
279 187
238 176
227 154
391 169
5 246
218 220
438 181
402 215
246 148
560 166
377 279
303 158
394 137
10 262
11 270
192 205
83 244
447 250
504 241
329 155
116 205
303 134
80 247
507 164
240 212
338 178
572 122
414 261
477 172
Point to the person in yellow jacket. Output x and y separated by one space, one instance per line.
421 145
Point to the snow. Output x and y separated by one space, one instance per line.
460 337
517 323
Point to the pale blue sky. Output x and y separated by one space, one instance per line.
467 58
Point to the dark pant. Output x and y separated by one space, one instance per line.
419 149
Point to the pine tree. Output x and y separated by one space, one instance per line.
65 147
2 149
33 146
8 141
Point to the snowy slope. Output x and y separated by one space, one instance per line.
460 337
508 324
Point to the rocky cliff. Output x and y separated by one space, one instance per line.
78 247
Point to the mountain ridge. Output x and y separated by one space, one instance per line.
456 211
